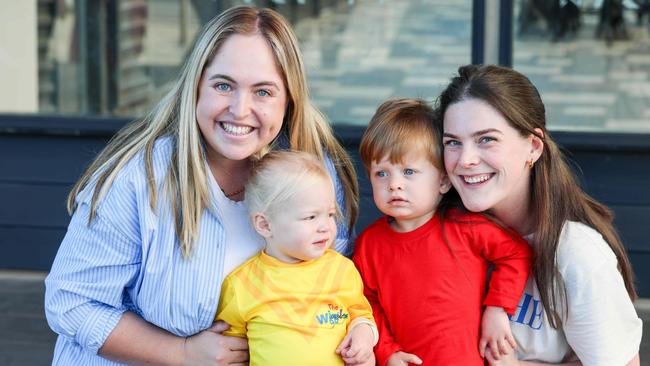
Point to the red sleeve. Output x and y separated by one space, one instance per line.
386 345
511 256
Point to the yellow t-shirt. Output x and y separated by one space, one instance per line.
293 314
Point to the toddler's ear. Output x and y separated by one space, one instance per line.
261 225
445 184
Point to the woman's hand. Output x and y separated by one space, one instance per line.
210 347
356 347
403 359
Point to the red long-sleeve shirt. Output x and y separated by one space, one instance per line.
427 296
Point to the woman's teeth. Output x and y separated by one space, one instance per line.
236 130
477 178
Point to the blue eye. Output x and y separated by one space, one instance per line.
451 143
486 139
222 87
381 173
409 171
263 93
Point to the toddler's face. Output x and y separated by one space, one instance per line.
306 226
408 191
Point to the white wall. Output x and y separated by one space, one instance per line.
18 56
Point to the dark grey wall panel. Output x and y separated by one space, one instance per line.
612 177
641 266
34 204
52 159
38 166
28 247
633 224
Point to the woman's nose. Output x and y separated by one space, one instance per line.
240 105
468 157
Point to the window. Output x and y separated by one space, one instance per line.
589 60
117 58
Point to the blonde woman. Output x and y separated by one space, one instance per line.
159 215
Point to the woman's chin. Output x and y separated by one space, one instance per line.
476 206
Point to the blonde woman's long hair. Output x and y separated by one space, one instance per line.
555 195
186 181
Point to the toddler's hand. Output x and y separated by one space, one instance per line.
356 347
495 333
507 359
403 359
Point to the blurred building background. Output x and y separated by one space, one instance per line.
117 57
72 72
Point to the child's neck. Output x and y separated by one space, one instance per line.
282 258
408 225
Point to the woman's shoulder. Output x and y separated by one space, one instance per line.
581 251
134 171
132 177
162 152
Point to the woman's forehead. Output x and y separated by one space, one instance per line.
246 58
473 115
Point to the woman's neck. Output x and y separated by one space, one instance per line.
517 217
231 175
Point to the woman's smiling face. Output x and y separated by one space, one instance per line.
487 159
242 99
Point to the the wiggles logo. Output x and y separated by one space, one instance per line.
333 316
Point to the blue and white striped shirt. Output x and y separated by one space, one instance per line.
129 259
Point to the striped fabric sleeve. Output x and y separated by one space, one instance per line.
341 244
86 286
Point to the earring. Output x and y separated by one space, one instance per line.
531 163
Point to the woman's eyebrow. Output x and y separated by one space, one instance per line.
222 76
485 131
475 134
261 83
267 83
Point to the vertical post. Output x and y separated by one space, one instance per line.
492 32
478 30
182 22
81 14
111 71
506 32
491 35
95 56
315 8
